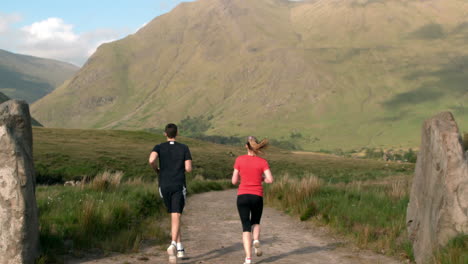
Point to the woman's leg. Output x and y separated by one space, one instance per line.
247 240
243 206
257 210
256 231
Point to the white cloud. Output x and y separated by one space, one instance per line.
53 38
50 29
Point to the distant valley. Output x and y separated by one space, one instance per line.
30 78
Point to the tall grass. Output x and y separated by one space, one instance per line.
373 215
294 194
456 252
104 214
106 180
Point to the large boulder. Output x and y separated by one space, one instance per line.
19 226
438 207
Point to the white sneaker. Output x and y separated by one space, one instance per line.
248 261
257 249
180 253
171 251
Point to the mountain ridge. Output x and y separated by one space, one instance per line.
339 73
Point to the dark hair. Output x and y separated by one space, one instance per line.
171 130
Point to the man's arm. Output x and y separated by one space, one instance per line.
235 177
188 165
188 159
268 176
153 161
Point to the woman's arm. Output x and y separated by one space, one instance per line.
268 176
235 177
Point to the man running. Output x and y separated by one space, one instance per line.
174 160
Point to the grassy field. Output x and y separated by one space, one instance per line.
362 199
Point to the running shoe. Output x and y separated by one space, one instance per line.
180 253
257 249
171 251
248 261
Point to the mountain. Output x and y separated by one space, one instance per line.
324 73
30 78
4 98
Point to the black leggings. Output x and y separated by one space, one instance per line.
250 209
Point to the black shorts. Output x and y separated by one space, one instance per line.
174 198
250 209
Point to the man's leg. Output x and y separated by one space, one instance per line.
175 227
178 237
176 216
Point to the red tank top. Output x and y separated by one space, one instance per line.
251 169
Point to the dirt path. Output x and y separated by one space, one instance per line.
212 235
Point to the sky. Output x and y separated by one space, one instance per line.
72 30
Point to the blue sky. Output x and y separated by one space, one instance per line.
71 30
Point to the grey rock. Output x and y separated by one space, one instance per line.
19 227
438 207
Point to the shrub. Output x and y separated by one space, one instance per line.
106 180
194 125
294 194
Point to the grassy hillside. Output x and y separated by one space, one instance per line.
337 74
30 78
72 154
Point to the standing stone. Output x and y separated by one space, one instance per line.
19 226
438 207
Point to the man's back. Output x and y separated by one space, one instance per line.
172 156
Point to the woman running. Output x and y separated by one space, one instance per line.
252 170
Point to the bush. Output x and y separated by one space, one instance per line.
294 194
106 180
194 125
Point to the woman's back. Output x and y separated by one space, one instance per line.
251 169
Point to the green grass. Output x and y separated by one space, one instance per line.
456 251
67 154
74 219
372 213
71 154
88 218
